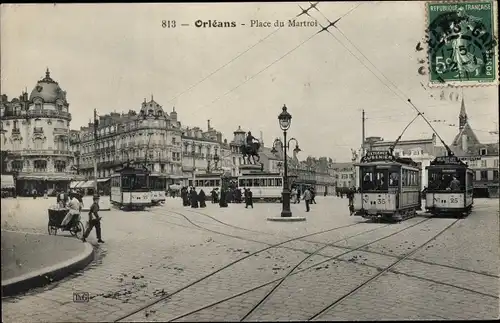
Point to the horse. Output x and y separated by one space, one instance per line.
252 151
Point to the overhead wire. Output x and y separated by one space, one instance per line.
274 62
203 79
406 97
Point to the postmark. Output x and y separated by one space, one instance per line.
462 42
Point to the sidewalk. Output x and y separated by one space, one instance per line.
32 260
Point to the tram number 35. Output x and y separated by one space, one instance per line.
453 200
380 201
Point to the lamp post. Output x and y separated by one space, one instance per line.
285 120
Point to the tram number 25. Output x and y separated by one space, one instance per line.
453 200
380 201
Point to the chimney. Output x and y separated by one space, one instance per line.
208 124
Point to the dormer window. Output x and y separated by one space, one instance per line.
483 151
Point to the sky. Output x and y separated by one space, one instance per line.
112 56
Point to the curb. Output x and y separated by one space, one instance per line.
49 274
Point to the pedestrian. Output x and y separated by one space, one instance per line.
294 195
184 196
248 198
202 197
94 221
74 211
194 198
299 192
307 198
313 195
350 196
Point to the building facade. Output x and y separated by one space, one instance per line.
151 137
481 157
35 136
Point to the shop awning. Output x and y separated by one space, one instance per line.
87 184
7 181
102 180
74 184
44 177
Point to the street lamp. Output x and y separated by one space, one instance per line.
285 120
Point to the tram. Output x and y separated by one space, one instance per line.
130 188
389 187
265 187
158 187
450 189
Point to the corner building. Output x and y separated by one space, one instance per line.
35 138
151 137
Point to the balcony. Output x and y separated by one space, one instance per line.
46 152
48 114
38 130
16 131
61 131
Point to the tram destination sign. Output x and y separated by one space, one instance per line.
373 156
448 160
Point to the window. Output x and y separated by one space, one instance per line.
483 151
446 179
484 175
495 174
394 178
483 163
40 165
495 163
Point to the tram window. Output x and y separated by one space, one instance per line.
256 182
381 180
242 183
139 182
368 180
190 182
394 178
404 177
271 182
217 182
262 182
126 182
248 182
279 182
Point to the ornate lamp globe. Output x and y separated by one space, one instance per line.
285 119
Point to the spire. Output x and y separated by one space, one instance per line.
47 73
462 118
151 96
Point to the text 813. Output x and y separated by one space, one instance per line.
168 24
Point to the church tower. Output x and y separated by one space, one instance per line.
462 118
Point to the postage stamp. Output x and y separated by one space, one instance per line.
461 39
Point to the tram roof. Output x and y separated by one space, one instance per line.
264 174
387 163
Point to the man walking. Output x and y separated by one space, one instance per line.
94 221
307 198
248 198
313 195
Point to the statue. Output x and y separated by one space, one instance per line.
354 155
251 149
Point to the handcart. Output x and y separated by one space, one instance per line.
56 216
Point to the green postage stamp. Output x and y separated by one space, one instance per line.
462 42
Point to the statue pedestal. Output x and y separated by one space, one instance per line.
250 169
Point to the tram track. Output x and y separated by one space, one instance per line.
292 272
340 246
271 246
382 271
378 275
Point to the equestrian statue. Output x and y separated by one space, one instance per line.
251 149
